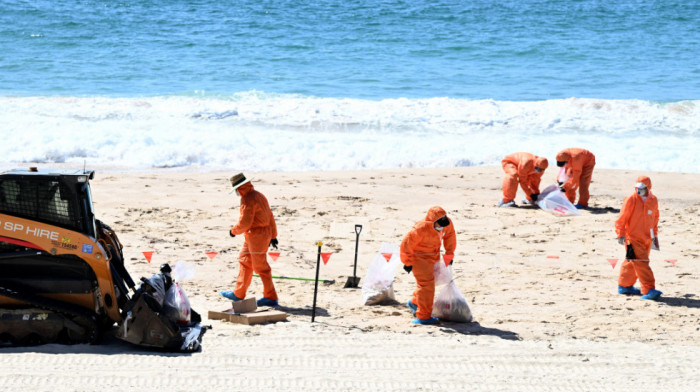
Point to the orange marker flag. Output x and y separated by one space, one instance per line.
612 262
148 255
672 261
326 256
274 255
552 257
387 256
211 254
447 259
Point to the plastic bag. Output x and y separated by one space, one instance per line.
442 273
177 306
377 286
553 200
183 271
450 305
157 285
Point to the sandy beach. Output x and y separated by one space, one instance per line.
547 315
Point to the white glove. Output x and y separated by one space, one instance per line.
621 240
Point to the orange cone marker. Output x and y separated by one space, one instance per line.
148 255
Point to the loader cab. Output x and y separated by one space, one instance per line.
56 197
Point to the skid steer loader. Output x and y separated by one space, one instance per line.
62 273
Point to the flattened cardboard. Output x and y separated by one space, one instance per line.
252 318
262 317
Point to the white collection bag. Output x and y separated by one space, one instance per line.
442 273
377 286
450 305
554 201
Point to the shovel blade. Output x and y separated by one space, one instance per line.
352 282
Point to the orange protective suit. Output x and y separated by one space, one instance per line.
520 168
637 218
258 224
420 249
580 164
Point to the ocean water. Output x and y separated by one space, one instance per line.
332 85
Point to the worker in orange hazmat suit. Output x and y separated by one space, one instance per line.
637 228
420 250
579 163
258 225
526 169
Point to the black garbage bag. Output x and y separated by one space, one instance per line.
146 321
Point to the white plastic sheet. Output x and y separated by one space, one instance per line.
377 287
554 201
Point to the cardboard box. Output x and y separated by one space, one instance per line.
250 318
245 306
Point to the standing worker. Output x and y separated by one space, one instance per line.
420 250
258 225
526 169
637 228
580 164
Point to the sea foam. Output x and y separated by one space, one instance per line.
254 131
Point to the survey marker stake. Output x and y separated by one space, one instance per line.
318 266
353 281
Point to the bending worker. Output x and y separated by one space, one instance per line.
420 250
637 229
258 225
526 169
579 163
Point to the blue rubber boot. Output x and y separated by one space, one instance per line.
267 302
652 294
581 207
628 290
432 320
412 306
230 295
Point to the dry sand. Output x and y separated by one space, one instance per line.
541 323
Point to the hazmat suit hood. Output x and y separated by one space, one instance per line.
646 181
435 213
563 156
541 162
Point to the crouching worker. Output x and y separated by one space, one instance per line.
420 250
258 225
526 169
579 163
637 229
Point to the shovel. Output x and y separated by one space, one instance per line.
353 281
